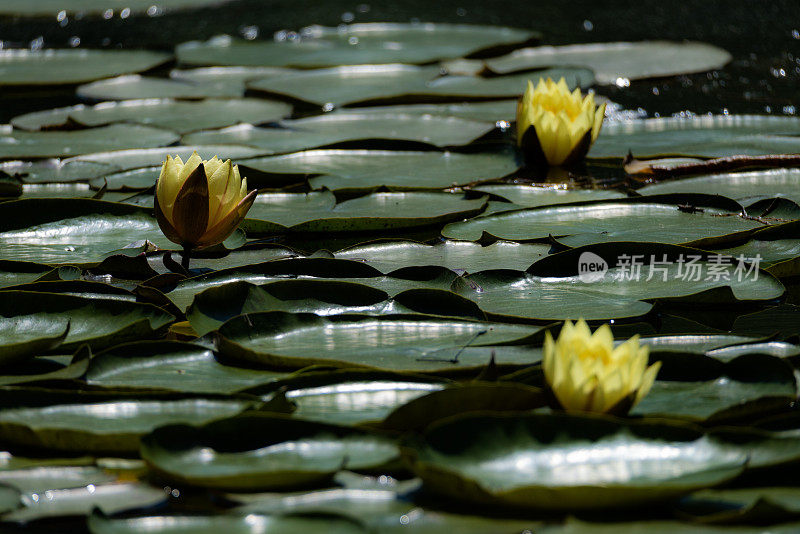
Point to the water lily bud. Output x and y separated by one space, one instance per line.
555 126
200 203
587 374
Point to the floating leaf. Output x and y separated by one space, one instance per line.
134 86
710 136
369 169
388 255
171 365
22 144
746 187
261 451
67 66
316 212
339 86
672 219
414 343
562 462
111 427
34 320
322 130
176 115
353 44
611 61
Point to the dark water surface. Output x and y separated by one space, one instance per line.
764 38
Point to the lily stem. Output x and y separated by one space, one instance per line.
186 256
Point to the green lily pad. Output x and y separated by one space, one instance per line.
694 343
54 171
610 61
14 273
562 462
232 523
332 128
109 498
176 115
353 397
96 7
650 219
234 75
29 318
394 342
216 305
779 349
135 86
389 255
153 158
111 427
574 526
381 509
706 136
419 413
617 293
262 451
529 196
171 365
316 212
49 477
22 144
491 111
339 86
742 505
735 383
67 66
73 231
746 187
369 169
353 44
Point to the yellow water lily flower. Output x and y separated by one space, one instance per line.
200 203
556 126
587 374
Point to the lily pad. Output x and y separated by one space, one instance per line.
332 128
574 526
232 523
54 170
412 343
369 169
29 318
176 115
746 187
389 255
737 382
70 231
13 273
316 212
650 219
491 111
710 136
610 61
22 144
742 505
353 44
261 451
134 86
171 365
67 66
122 160
109 498
618 292
339 86
531 196
111 427
561 462
312 269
